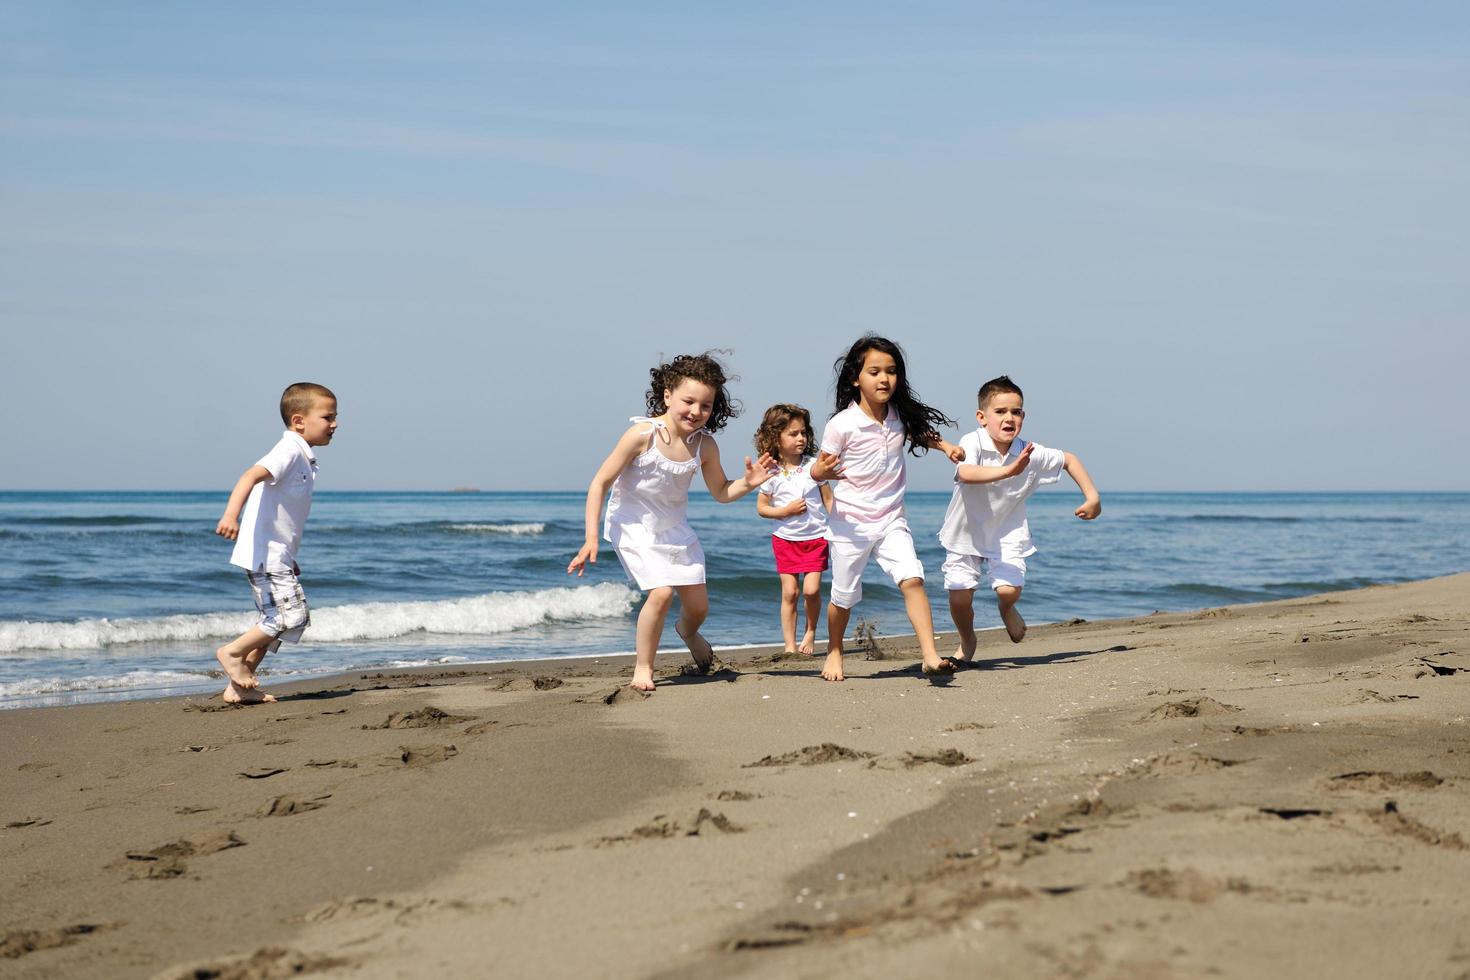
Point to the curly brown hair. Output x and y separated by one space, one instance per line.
775 421
705 369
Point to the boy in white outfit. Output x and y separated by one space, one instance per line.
265 516
985 527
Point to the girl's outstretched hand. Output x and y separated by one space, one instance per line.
955 453
827 467
587 554
760 471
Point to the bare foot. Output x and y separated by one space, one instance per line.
940 665
233 694
236 670
642 679
962 658
832 669
699 649
808 643
1015 625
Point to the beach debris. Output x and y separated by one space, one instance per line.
263 772
970 726
425 717
184 811
1202 707
425 755
735 796
14 945
944 757
812 755
329 764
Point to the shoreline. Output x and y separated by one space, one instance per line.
1123 797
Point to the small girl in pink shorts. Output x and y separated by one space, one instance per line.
800 503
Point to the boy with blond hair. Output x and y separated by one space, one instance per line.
265 516
985 530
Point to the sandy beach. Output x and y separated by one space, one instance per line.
1271 790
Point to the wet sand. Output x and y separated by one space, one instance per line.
1271 790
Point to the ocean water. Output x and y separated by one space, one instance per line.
125 594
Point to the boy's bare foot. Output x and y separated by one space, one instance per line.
941 665
961 658
236 670
808 644
233 694
699 649
642 679
1015 625
832 669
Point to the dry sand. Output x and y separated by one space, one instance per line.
1273 790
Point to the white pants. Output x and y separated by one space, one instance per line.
963 572
895 554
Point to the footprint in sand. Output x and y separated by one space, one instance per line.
1204 707
14 945
169 860
1185 884
812 755
661 827
944 757
265 964
285 806
1187 763
414 756
1378 782
426 717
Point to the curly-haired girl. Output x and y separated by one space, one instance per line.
649 472
876 415
800 503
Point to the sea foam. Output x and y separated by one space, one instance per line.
481 615
516 529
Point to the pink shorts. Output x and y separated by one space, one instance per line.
799 557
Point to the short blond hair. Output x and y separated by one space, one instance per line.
297 399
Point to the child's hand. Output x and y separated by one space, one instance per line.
760 471
1089 509
584 556
955 453
827 467
794 508
228 528
1022 458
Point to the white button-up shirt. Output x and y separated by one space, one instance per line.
275 512
869 502
789 486
989 519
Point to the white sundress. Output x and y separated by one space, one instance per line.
648 516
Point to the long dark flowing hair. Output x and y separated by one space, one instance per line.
920 422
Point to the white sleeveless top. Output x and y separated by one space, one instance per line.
650 498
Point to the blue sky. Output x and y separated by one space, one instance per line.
1220 248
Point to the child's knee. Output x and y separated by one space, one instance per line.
661 597
1007 595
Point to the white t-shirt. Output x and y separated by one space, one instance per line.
789 486
869 502
275 512
989 519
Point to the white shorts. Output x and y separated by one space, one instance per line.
895 554
964 572
281 601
